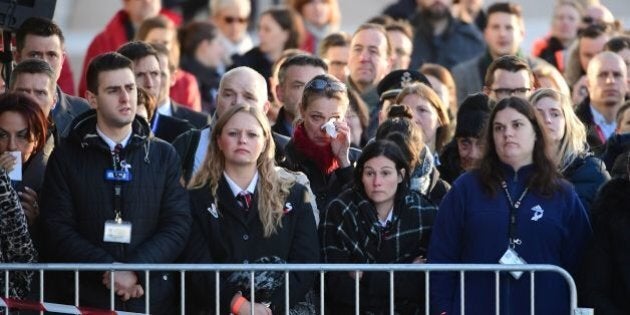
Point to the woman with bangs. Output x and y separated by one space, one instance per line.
429 113
321 17
320 146
579 166
24 132
246 213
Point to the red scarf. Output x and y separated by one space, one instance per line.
322 155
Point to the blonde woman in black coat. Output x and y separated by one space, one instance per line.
275 224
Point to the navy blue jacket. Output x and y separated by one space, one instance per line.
587 174
459 42
472 227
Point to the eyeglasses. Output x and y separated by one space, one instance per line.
319 85
234 19
505 92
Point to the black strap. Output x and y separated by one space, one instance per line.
117 184
513 214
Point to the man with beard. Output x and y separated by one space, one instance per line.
442 39
606 82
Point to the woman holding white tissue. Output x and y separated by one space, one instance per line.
23 145
320 146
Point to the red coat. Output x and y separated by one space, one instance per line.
113 36
185 91
66 79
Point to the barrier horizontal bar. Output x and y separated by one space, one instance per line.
284 267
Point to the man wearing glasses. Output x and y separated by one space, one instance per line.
508 76
231 18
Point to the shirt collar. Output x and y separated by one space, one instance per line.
165 108
236 189
388 219
111 143
607 128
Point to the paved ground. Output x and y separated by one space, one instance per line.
81 19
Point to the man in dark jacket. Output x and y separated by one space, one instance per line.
442 39
606 80
156 80
112 195
42 39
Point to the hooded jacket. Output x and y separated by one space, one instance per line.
76 201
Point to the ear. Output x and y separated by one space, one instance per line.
91 98
486 90
401 175
279 94
266 107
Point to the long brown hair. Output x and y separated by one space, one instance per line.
272 190
545 176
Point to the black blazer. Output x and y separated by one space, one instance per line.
168 128
199 120
227 235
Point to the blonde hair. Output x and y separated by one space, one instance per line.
272 190
573 143
548 71
442 134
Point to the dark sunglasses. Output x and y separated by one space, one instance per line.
232 19
319 85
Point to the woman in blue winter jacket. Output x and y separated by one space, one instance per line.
579 166
514 204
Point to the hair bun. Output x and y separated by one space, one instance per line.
399 111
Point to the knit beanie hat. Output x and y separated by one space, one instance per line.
472 116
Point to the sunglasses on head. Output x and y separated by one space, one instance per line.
321 85
232 19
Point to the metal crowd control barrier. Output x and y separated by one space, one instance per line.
497 269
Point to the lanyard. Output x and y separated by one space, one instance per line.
513 208
117 185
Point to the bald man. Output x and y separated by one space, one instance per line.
606 82
239 86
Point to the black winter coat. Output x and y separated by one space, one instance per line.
325 187
605 277
587 174
224 234
76 201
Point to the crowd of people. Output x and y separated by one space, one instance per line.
425 136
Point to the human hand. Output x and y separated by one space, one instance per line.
341 144
28 200
353 274
419 260
7 161
246 307
125 284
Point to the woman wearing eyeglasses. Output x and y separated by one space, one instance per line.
513 209
24 131
579 166
246 213
378 220
320 146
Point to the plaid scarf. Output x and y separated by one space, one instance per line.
351 233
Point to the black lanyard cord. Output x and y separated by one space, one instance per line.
513 210
117 185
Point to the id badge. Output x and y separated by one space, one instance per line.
511 257
117 232
119 176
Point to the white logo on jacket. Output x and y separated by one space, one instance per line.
213 210
538 212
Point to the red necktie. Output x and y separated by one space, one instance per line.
245 200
